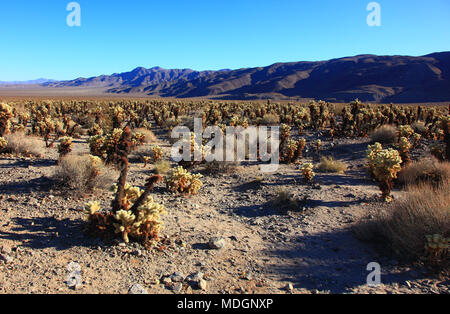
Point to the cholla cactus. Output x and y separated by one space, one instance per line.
405 131
145 220
404 146
95 130
107 147
436 247
288 153
372 152
307 171
140 216
157 153
5 115
65 146
318 145
179 180
91 208
416 139
3 143
386 165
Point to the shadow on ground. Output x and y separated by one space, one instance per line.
335 262
24 187
48 232
27 163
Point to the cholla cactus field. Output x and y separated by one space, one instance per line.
165 223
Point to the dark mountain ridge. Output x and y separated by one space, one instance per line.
367 77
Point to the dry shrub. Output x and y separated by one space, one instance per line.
162 167
425 171
328 164
83 173
386 134
21 144
150 137
285 200
402 227
419 127
270 119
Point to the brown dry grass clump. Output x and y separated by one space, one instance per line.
285 200
402 227
328 164
270 119
386 134
83 173
425 171
162 167
21 144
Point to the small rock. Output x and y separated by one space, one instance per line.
217 243
177 287
6 258
167 281
177 277
195 277
202 284
6 249
289 287
137 253
137 289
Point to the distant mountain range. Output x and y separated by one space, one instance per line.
367 77
32 82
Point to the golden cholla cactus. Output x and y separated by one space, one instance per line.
95 130
307 171
318 144
404 146
372 152
5 115
3 143
386 165
416 139
138 139
436 242
405 131
146 222
65 146
127 222
436 247
91 208
179 180
157 153
288 152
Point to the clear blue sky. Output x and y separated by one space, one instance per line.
117 36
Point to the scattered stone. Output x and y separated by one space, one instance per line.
217 243
289 287
177 277
6 258
6 249
177 287
137 289
167 281
195 277
137 253
202 284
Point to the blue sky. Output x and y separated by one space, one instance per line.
117 36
